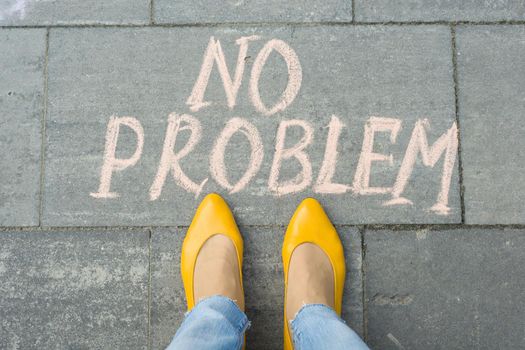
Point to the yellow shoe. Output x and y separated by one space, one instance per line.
213 217
310 224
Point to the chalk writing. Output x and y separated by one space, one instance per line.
284 153
111 163
304 177
170 161
217 167
324 180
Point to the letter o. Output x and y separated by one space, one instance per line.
295 76
217 166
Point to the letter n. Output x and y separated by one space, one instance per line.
213 54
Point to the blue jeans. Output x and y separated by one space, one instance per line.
216 323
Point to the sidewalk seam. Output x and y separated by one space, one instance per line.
152 12
350 23
43 130
150 233
363 284
456 107
378 227
353 10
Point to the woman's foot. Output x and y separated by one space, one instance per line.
212 251
310 279
217 271
313 262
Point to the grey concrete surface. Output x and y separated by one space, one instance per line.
242 11
168 303
22 61
148 73
73 12
73 290
491 110
445 289
81 272
263 285
440 10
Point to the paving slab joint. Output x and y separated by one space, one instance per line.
392 227
150 233
456 107
43 130
362 230
152 12
353 11
153 24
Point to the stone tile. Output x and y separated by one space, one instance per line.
233 11
22 58
64 12
148 73
491 109
440 10
452 289
353 293
263 283
168 303
73 290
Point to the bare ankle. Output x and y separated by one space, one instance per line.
310 279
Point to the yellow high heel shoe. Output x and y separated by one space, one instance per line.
213 216
310 224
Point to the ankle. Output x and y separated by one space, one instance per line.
310 279
217 271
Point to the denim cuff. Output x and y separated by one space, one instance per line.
317 308
227 307
319 311
214 320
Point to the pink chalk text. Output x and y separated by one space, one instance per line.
445 147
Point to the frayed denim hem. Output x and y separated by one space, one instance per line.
244 323
297 334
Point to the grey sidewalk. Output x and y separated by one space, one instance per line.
408 126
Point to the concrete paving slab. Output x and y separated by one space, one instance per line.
438 10
385 81
491 110
452 289
168 303
242 11
22 61
73 12
263 283
73 290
